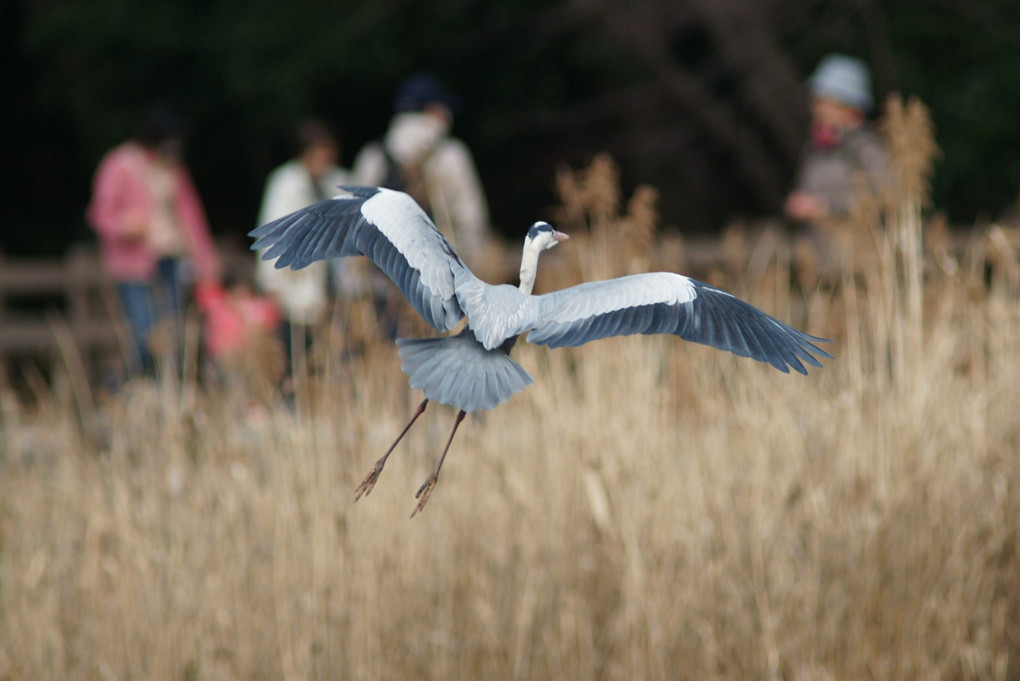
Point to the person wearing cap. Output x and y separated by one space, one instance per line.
419 156
842 146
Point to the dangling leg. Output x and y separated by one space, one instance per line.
368 483
426 489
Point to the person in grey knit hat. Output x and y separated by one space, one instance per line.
843 79
841 150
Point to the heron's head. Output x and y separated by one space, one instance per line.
542 237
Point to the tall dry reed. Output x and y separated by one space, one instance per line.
649 509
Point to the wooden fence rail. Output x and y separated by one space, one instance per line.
76 281
36 293
73 290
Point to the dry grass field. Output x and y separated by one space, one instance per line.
648 509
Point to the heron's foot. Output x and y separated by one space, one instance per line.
424 492
369 482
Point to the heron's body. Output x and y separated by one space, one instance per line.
473 370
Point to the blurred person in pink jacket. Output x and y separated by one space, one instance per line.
154 239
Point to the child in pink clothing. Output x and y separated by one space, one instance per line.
233 318
151 228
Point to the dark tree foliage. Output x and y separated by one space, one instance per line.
700 98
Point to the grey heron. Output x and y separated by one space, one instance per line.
472 369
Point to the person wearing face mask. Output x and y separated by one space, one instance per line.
154 239
418 155
843 155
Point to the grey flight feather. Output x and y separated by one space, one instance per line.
384 225
663 302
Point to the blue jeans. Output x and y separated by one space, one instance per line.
145 304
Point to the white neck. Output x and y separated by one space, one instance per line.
529 267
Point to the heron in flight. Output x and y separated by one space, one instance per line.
472 369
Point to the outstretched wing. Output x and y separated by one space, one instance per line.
385 225
662 302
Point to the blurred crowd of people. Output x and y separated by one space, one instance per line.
156 245
155 240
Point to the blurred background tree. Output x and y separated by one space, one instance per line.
700 98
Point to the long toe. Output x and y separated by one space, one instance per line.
424 492
369 482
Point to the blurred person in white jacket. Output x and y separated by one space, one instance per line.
312 176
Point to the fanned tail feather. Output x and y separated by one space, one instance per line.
458 371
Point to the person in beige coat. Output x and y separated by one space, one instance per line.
419 156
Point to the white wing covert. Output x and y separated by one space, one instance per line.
386 226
